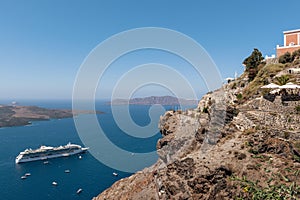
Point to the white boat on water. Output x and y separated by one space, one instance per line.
25 175
47 152
115 174
79 191
54 183
67 171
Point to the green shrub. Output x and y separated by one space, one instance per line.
282 80
286 58
252 62
205 110
239 96
296 54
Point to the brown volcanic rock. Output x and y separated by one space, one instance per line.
229 151
138 186
189 168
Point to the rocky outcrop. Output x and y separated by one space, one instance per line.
222 150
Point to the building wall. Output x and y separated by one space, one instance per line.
291 38
282 50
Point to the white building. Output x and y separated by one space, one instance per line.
293 70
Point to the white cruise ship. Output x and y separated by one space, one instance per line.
46 152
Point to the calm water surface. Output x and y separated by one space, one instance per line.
86 173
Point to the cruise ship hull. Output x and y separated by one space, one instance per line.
21 159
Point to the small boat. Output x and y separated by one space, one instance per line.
54 183
46 162
67 171
79 191
115 174
79 157
23 177
27 174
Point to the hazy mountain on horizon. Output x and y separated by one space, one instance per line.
162 100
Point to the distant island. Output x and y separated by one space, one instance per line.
162 100
15 115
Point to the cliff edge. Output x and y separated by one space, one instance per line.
239 143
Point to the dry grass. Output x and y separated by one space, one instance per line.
265 72
249 131
297 145
294 78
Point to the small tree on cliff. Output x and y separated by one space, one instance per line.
251 63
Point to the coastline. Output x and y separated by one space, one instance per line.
11 116
226 148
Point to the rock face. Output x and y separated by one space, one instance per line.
222 150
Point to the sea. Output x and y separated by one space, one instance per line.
87 172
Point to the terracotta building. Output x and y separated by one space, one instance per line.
291 42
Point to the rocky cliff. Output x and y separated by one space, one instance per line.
228 147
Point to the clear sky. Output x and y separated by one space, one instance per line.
44 42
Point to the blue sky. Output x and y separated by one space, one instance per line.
44 42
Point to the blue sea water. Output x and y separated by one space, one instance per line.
86 173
